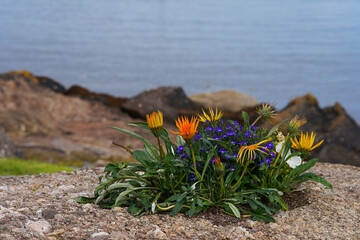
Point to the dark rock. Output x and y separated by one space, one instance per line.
340 131
49 213
50 84
105 99
7 148
172 101
30 78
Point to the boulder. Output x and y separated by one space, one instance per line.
172 101
7 147
42 81
340 131
226 100
53 127
105 99
50 84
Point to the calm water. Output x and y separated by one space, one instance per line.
273 50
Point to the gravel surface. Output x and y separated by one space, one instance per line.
42 207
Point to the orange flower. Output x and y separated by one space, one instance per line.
251 151
217 160
187 129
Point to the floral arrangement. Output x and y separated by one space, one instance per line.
243 170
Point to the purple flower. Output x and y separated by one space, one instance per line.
267 161
180 149
223 151
269 145
247 134
218 129
192 177
184 155
272 154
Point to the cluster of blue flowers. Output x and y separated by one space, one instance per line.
234 135
269 146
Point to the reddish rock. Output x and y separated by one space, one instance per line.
43 122
7 147
105 99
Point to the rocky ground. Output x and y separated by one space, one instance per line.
43 207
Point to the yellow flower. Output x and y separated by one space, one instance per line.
187 129
155 122
212 117
305 143
250 150
295 123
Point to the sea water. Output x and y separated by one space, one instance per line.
273 50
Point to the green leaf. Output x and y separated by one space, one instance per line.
276 127
141 157
313 177
192 209
148 145
282 203
173 198
245 116
234 209
180 141
300 169
84 200
177 208
140 125
209 157
118 186
122 197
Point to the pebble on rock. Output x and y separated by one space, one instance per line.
39 226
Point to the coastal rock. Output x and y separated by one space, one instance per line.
41 81
226 100
170 100
8 148
50 84
105 99
50 126
340 131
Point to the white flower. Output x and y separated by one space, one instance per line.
293 162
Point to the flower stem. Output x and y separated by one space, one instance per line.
259 117
194 161
279 154
221 185
161 150
242 175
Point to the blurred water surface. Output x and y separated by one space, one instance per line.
273 50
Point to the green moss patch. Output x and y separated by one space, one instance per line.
15 166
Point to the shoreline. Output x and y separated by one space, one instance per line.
62 128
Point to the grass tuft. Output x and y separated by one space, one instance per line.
15 166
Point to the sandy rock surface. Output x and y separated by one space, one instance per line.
42 207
